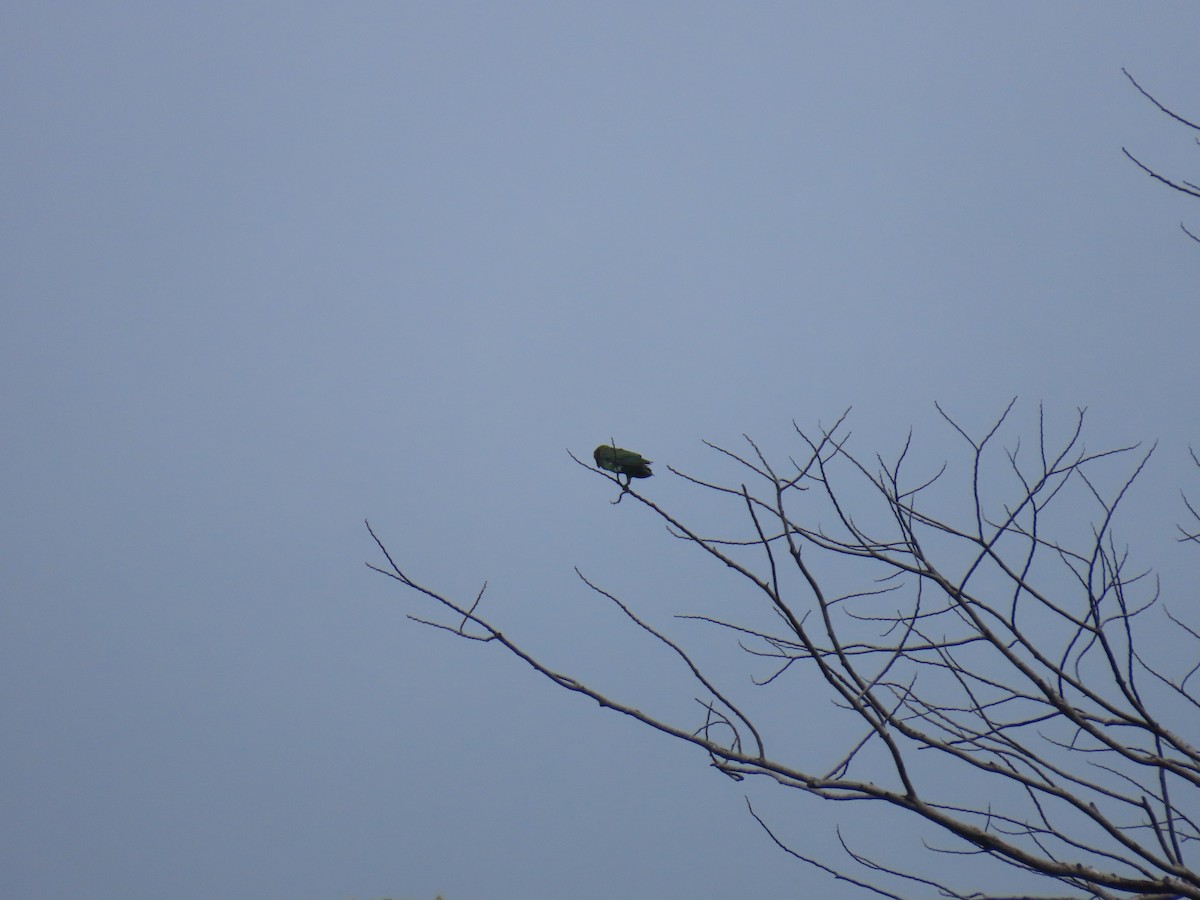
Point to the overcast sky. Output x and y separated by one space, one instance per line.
271 268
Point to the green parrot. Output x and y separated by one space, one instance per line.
622 462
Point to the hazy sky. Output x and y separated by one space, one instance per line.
271 268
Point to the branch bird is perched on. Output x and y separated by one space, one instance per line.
622 462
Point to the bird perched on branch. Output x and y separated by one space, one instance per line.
622 462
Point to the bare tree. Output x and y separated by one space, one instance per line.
996 646
1184 187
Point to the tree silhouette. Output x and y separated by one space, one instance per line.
978 624
1184 187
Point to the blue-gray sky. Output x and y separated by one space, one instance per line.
270 268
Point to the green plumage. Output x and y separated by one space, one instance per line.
622 462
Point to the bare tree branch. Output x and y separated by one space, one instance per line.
997 643
1148 96
1183 186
